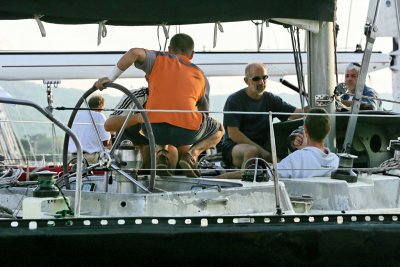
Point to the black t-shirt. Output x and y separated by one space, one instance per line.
254 126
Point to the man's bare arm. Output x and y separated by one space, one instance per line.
114 123
128 59
298 110
240 138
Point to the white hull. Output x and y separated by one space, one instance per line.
214 197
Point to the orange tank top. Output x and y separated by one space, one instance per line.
175 84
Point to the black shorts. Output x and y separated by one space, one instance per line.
227 146
133 134
167 134
226 149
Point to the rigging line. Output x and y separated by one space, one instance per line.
397 19
303 88
102 31
377 98
94 109
54 145
348 24
335 34
27 121
95 127
9 136
217 27
296 62
389 164
166 33
40 24
158 37
247 112
50 108
275 166
259 34
297 66
21 147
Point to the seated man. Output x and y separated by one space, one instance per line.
247 135
313 159
351 76
175 83
86 131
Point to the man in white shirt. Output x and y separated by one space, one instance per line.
313 158
89 133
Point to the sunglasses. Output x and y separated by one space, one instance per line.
258 78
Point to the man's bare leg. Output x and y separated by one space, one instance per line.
213 140
167 158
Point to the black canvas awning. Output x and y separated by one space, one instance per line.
172 12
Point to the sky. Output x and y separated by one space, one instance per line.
25 35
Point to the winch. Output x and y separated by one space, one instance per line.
130 160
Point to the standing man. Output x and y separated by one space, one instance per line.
175 83
89 133
351 76
247 135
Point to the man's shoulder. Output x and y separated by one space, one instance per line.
238 94
84 115
235 101
271 96
277 103
301 153
99 115
291 159
369 90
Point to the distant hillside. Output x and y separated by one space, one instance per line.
66 97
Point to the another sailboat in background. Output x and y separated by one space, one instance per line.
10 146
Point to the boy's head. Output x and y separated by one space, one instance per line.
317 126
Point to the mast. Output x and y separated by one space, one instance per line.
321 59
396 61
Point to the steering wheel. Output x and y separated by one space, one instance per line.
105 156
